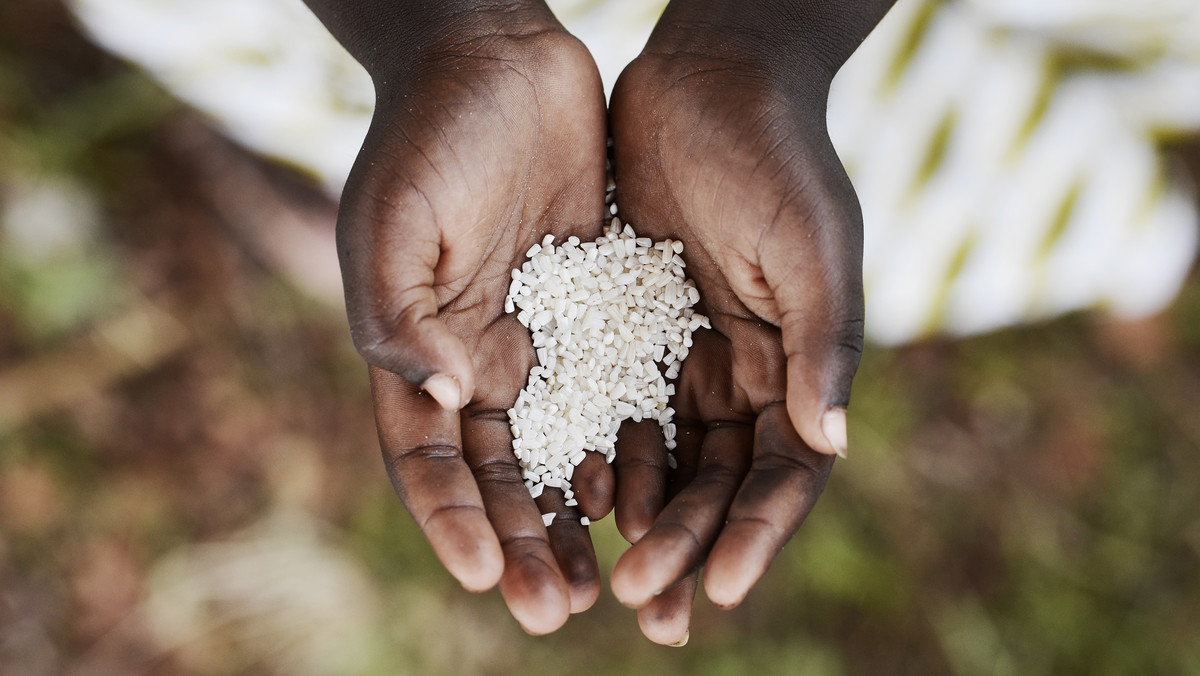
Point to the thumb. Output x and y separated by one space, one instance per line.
821 363
393 309
817 283
420 348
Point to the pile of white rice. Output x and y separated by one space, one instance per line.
612 322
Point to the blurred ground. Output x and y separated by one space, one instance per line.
189 478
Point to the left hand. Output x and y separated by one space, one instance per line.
725 156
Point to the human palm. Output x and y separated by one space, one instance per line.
735 161
485 146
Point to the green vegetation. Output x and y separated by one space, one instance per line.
1019 503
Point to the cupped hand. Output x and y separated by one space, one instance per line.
733 158
491 138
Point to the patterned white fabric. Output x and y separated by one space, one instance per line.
1010 172
1006 152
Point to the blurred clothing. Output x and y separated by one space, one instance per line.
1007 153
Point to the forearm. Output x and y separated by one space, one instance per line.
814 35
386 35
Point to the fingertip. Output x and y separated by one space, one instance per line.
446 390
728 575
823 430
584 594
481 579
623 590
474 558
723 590
537 595
541 620
429 354
630 584
667 618
540 628
595 486
664 633
576 559
633 524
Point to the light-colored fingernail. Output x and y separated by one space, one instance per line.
833 424
445 390
683 641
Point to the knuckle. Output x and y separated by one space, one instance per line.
782 465
758 524
696 544
497 471
448 511
719 475
370 341
848 335
433 452
808 335
634 463
528 546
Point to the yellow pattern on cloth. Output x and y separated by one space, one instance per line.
1006 152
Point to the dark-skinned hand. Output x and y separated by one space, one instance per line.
489 134
490 137
720 148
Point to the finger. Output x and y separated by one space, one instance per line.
594 485
821 319
389 250
422 450
533 585
573 550
641 474
487 434
812 262
667 617
682 535
779 491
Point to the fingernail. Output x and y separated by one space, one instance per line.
683 641
444 389
833 424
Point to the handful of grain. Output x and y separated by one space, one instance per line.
612 322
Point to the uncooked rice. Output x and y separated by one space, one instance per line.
612 322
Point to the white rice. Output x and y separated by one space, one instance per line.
611 322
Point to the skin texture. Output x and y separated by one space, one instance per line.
489 133
722 143
485 143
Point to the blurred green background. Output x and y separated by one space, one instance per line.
190 482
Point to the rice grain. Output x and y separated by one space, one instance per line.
603 316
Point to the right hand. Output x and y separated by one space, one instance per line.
493 137
718 149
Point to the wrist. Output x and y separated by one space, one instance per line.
390 37
805 40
